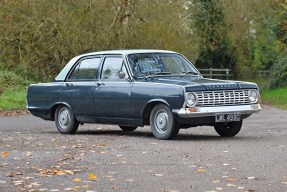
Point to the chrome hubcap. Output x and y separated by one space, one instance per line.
64 118
161 121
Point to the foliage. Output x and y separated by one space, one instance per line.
38 37
279 72
210 27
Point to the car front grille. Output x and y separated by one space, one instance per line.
224 97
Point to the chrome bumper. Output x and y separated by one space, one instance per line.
212 111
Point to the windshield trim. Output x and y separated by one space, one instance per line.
154 74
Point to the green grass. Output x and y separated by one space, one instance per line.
275 97
13 99
13 90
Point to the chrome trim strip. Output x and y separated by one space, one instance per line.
212 111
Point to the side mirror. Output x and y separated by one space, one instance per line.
122 75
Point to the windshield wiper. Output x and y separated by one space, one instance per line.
190 72
151 75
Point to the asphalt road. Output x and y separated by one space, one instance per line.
35 157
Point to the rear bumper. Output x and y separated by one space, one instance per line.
213 111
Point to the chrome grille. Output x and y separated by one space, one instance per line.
224 97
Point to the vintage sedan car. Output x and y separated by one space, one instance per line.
134 88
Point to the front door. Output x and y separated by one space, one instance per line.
112 92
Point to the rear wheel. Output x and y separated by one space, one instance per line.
65 120
162 123
228 129
128 128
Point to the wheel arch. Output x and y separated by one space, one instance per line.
149 106
54 107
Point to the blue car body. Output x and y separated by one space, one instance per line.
127 99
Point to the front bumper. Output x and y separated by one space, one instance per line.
213 111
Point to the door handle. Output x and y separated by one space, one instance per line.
99 84
68 84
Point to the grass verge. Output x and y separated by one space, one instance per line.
275 97
13 90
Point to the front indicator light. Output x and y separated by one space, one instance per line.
192 109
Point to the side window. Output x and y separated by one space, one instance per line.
114 68
86 69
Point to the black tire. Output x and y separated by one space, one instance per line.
65 120
128 128
162 123
228 129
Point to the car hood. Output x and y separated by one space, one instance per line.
201 84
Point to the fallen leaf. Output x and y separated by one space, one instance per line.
11 174
35 184
55 172
116 188
215 181
77 180
201 171
5 154
157 174
231 180
69 189
44 189
129 180
20 182
92 176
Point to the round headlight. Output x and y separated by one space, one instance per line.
191 99
253 96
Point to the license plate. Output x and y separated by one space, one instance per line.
227 117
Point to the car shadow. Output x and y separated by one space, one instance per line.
115 132
179 137
182 136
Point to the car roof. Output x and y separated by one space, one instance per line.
126 52
62 75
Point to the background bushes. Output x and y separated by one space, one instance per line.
38 37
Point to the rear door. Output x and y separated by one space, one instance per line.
78 90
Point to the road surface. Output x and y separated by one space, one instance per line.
35 157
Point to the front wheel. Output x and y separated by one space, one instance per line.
162 123
65 120
228 129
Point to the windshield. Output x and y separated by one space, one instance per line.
144 64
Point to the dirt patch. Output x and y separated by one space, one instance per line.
14 113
